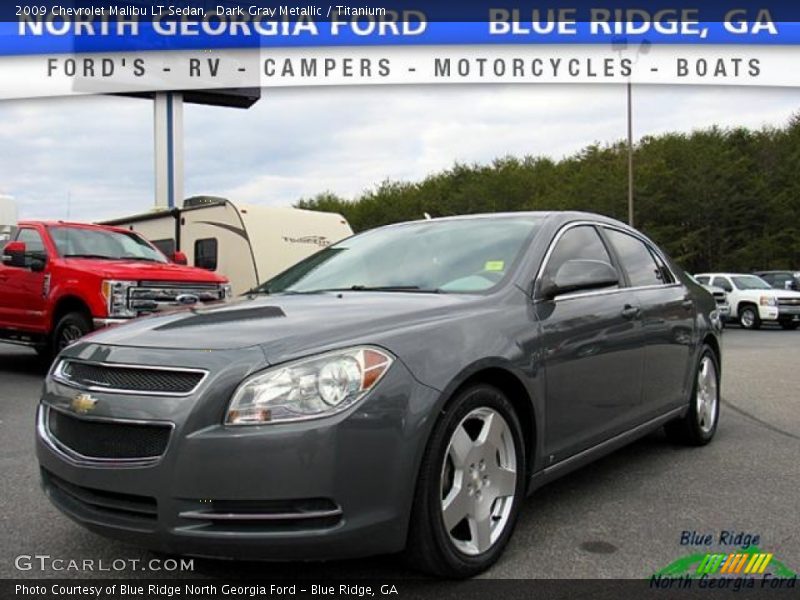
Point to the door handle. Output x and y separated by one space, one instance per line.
630 312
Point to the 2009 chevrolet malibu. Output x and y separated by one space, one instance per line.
403 389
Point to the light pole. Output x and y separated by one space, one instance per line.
630 153
620 46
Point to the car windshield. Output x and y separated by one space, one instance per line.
750 282
459 256
82 242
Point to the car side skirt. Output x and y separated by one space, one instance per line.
608 446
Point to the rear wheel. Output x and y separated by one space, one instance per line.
699 425
470 486
748 317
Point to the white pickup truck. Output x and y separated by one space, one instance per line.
753 301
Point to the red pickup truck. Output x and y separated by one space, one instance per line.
59 281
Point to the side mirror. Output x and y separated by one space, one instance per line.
179 258
14 254
579 275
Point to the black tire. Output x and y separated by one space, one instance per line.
430 547
789 325
748 317
70 327
689 430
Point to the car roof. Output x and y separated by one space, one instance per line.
558 216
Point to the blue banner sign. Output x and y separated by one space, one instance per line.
106 26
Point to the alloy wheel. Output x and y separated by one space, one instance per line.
478 481
707 397
69 334
748 318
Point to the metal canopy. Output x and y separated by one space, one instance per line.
229 98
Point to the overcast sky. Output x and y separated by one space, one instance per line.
92 158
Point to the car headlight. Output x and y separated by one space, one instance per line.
768 301
308 388
115 293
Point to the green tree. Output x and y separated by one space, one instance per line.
714 198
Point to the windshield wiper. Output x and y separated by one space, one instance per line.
257 291
352 288
139 258
382 288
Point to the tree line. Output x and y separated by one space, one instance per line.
714 199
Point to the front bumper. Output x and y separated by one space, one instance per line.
106 322
331 488
768 313
788 313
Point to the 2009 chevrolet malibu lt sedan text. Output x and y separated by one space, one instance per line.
402 389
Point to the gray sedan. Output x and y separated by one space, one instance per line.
404 389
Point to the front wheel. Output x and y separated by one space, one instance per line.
699 425
748 317
470 486
70 328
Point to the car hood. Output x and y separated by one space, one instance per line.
773 292
143 270
286 326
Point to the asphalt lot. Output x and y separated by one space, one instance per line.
619 518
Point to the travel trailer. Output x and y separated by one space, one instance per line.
8 218
248 244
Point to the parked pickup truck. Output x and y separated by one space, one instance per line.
59 281
753 301
781 280
721 298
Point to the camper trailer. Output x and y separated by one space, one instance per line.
8 218
248 244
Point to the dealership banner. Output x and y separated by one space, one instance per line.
61 48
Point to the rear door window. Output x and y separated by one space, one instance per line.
636 259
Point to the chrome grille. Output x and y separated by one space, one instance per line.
720 297
789 302
153 296
130 379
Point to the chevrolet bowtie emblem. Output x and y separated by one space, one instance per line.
83 403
